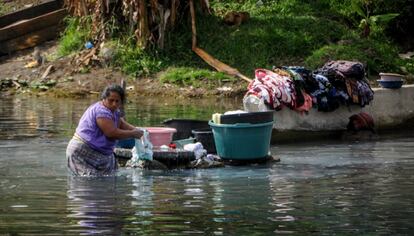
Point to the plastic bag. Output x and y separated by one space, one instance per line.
197 148
143 148
252 103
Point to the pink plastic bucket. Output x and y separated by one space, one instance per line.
160 135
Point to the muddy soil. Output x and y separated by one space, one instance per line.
66 79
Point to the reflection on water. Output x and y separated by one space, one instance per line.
93 206
150 111
362 188
28 117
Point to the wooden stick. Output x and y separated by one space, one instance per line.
218 65
123 85
193 25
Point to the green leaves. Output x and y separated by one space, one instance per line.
135 61
383 19
357 6
76 34
370 24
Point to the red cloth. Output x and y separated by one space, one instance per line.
307 104
277 90
361 121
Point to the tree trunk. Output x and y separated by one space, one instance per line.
142 32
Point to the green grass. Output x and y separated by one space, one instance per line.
259 43
378 56
187 76
283 32
76 34
134 60
269 38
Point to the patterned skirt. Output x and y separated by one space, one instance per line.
84 161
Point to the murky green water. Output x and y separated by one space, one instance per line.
362 188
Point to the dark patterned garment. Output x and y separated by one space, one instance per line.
84 161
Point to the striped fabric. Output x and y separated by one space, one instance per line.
84 161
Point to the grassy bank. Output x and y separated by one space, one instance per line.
284 32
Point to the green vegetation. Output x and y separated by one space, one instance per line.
4 9
76 34
408 67
195 77
134 60
272 40
377 55
370 23
284 32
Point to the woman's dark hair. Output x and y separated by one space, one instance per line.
113 88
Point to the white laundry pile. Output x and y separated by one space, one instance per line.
203 160
197 148
209 161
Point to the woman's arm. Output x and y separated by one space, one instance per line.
111 131
125 125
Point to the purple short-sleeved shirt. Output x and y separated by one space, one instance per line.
90 132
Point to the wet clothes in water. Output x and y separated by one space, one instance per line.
85 161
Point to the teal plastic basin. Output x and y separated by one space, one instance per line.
242 141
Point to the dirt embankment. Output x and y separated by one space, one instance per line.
62 78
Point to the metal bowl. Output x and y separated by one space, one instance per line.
390 77
391 84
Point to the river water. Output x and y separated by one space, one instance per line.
364 188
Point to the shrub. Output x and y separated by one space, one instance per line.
376 55
134 60
76 34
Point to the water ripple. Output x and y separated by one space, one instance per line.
316 189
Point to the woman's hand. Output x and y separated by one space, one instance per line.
137 133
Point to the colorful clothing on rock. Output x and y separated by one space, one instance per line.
337 83
342 69
366 95
276 89
349 77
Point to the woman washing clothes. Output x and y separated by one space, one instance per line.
90 151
